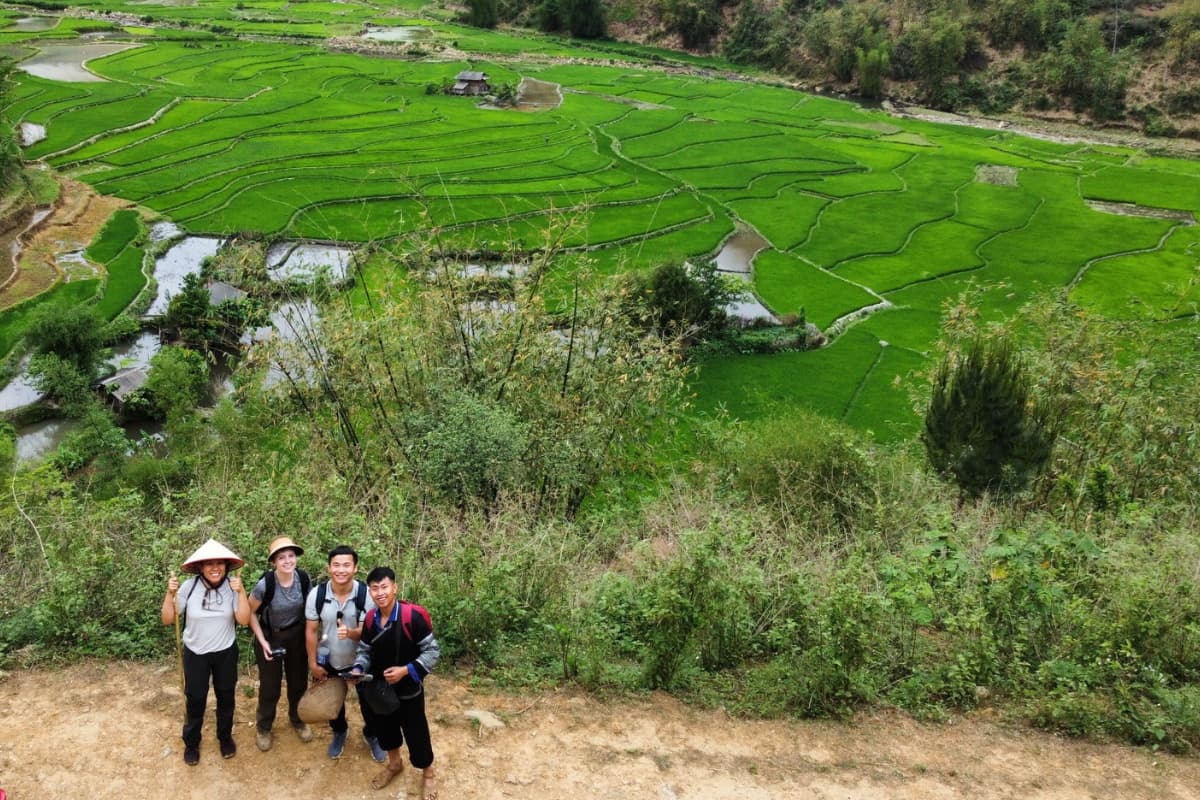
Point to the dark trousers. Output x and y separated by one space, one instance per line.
271 674
221 667
407 723
339 723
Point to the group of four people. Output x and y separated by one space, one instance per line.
338 628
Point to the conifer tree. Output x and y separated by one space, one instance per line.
982 430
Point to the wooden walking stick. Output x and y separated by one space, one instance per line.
179 650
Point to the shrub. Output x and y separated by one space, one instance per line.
809 470
73 334
982 430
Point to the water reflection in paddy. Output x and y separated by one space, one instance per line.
136 353
304 261
30 133
738 252
184 258
34 24
41 438
405 33
65 62
20 391
291 321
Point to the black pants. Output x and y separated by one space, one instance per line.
271 674
407 723
221 667
339 723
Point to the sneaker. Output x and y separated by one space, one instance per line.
191 756
377 752
264 740
303 731
337 744
228 748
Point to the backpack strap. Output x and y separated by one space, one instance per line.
406 612
322 590
360 598
370 621
305 582
269 589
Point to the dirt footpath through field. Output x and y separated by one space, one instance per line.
111 730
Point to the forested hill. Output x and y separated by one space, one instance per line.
1110 62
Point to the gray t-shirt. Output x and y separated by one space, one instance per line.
287 604
209 624
341 651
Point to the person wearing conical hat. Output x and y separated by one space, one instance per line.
213 603
277 620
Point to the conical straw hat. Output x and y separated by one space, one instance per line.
209 551
322 701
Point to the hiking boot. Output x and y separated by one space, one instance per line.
264 740
303 731
228 748
337 744
377 752
191 756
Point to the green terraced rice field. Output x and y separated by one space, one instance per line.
287 138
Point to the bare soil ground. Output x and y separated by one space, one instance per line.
111 730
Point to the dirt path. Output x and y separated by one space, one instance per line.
111 730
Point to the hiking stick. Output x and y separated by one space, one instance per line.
179 653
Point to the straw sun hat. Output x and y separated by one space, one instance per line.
212 550
283 543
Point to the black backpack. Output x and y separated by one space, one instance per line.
264 610
360 598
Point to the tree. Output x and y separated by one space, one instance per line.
747 42
584 18
176 382
687 300
872 64
73 334
982 430
483 13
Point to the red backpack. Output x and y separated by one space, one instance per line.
407 610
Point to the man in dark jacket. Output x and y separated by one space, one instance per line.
397 648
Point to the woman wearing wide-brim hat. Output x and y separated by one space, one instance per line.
277 619
213 604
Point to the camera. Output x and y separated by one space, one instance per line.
278 652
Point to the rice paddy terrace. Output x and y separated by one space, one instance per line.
868 218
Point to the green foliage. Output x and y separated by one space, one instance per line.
1084 70
470 450
482 13
937 47
72 334
686 299
570 393
872 66
982 430
747 42
1036 26
808 470
8 448
696 21
176 383
62 381
583 18
1183 38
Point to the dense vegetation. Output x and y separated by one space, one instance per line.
1124 60
564 455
